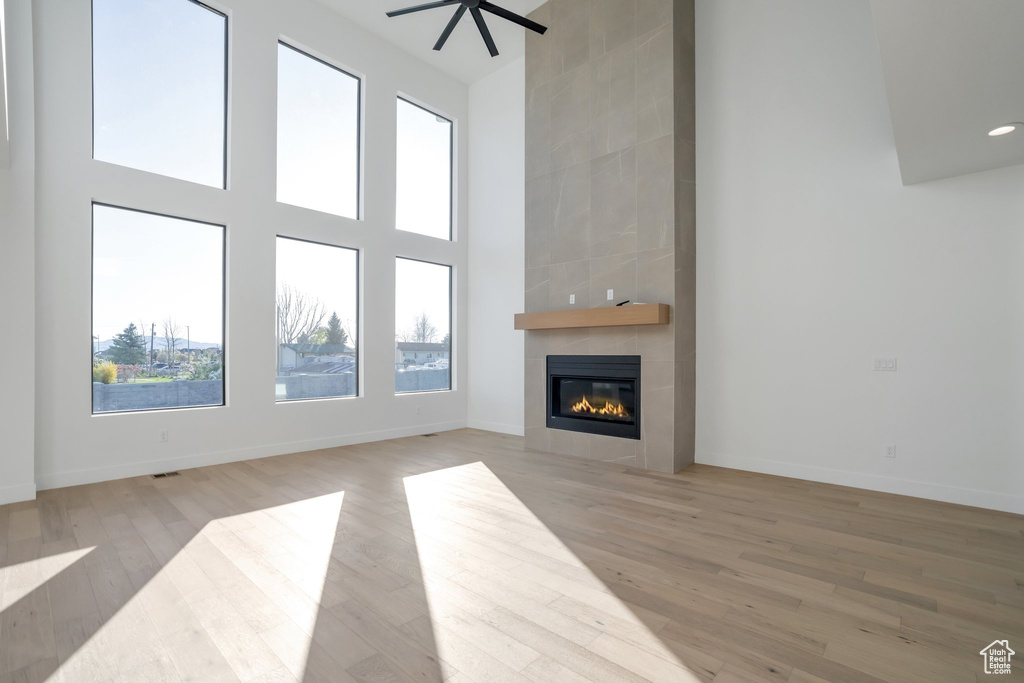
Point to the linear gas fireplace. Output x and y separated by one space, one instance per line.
595 394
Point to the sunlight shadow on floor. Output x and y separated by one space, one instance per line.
498 579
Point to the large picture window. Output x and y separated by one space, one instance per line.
317 320
423 315
317 134
157 311
423 172
159 87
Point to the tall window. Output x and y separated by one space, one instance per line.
317 134
424 172
423 315
157 311
159 87
317 314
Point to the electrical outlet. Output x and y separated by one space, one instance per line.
611 295
572 299
885 364
164 436
889 450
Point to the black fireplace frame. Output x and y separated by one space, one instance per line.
594 367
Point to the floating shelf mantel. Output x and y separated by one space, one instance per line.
604 316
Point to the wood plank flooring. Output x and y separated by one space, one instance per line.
465 557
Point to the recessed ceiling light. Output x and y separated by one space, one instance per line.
1003 130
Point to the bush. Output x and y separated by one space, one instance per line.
128 372
104 372
205 368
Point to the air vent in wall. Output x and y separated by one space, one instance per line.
166 474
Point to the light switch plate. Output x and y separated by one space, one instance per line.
611 295
572 299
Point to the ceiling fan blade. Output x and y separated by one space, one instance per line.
450 27
488 40
420 8
512 16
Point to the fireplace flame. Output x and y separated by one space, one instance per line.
608 409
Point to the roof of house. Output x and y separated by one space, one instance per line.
421 346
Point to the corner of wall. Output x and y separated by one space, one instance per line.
17 257
496 248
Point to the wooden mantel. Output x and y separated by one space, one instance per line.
604 316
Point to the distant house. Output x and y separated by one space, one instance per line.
299 355
420 353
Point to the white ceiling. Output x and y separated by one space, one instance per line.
464 55
954 70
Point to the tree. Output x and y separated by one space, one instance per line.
171 330
298 315
128 347
336 334
422 330
317 336
447 341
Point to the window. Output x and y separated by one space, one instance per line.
160 87
423 315
317 314
157 311
424 172
317 134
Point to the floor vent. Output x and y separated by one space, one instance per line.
166 474
427 435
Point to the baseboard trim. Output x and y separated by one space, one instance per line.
989 500
17 493
136 469
514 430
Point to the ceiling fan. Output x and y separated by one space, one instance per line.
474 7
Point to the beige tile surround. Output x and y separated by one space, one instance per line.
610 204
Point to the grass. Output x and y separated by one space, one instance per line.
139 379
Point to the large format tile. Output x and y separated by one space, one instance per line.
616 273
570 39
613 100
655 194
570 118
538 131
613 192
569 279
539 216
654 84
612 23
570 202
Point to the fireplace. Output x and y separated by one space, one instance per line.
594 394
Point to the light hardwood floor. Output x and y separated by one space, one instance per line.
465 557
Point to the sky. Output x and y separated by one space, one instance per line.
422 288
327 273
159 98
424 169
148 267
158 104
317 135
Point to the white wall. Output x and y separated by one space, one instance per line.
17 266
497 190
72 445
813 259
